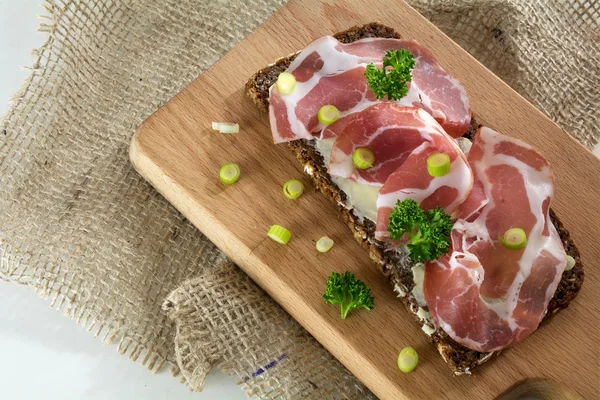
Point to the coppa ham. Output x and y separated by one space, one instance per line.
482 294
330 72
412 181
391 132
431 88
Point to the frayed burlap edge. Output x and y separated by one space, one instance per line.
109 331
224 320
15 268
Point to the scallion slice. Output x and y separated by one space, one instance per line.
328 114
363 158
324 244
293 189
229 173
570 263
226 127
408 359
514 239
438 164
279 234
286 83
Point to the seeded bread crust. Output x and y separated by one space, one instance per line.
398 269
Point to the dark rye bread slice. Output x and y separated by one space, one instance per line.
397 268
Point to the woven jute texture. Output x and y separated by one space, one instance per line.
84 230
223 319
77 223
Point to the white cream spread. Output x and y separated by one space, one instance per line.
429 325
428 329
418 272
464 144
399 290
360 197
485 358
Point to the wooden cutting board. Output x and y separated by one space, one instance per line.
176 150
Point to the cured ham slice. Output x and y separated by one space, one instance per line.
482 294
412 181
330 72
391 132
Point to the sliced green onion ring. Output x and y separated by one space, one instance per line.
324 244
293 189
226 127
229 173
328 114
514 239
363 158
286 83
408 359
438 164
279 234
570 263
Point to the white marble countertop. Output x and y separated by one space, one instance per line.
44 354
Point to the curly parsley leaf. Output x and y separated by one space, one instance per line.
428 231
391 82
348 292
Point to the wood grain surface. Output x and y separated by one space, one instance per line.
176 150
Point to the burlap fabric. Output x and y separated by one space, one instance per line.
223 319
83 229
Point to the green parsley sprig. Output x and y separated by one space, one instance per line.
428 231
347 291
391 82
